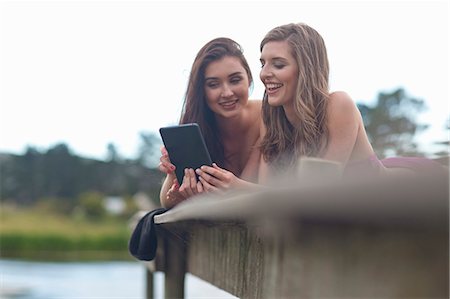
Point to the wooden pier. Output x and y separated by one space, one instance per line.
360 239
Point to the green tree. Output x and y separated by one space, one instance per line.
60 168
112 153
20 176
391 123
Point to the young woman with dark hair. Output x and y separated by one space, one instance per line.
217 99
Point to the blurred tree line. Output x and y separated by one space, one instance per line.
65 179
391 125
57 174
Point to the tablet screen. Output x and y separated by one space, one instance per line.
186 147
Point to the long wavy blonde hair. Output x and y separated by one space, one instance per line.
283 143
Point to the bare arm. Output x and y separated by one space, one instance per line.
166 186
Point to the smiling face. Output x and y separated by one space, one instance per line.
226 86
279 73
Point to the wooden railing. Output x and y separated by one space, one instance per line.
355 239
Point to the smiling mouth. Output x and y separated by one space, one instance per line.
273 86
228 103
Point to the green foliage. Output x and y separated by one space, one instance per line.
91 203
63 176
54 205
39 232
391 123
130 207
59 242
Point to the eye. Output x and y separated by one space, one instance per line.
262 63
279 65
236 80
212 84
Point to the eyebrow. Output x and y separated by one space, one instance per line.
230 75
235 73
275 58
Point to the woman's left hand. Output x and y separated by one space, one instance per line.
214 178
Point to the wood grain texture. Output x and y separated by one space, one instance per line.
358 239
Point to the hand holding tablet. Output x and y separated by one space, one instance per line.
186 147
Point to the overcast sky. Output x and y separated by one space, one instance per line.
93 72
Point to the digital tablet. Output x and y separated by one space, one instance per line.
186 147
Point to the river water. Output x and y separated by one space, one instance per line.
88 280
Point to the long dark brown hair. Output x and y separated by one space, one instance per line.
283 143
195 107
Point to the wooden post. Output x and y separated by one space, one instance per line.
149 289
174 265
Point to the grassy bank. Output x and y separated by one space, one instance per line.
33 233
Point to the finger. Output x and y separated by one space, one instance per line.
164 151
175 183
186 185
182 188
207 186
165 159
170 166
218 173
218 168
175 197
166 168
208 178
183 191
165 165
193 180
164 155
169 194
199 187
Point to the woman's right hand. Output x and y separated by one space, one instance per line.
164 162
188 188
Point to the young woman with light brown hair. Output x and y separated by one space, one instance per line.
304 119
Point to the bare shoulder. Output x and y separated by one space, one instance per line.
340 102
255 104
254 107
340 98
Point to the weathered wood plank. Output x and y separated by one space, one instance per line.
384 239
405 201
327 261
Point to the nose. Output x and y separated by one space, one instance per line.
264 73
226 91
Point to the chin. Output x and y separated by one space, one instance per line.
274 102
